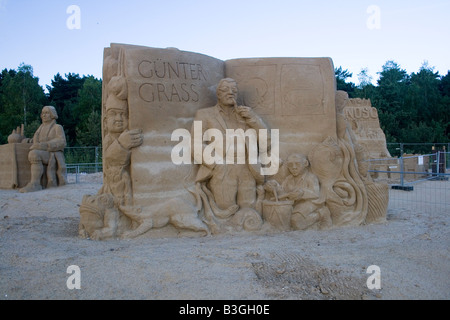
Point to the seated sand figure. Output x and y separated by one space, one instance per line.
48 146
302 188
229 191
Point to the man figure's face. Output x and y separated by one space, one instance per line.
227 94
46 115
116 120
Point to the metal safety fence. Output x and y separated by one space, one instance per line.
84 164
84 172
398 149
417 182
83 154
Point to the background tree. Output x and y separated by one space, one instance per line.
412 108
89 132
365 89
88 111
90 98
389 98
341 81
425 108
444 88
21 101
64 96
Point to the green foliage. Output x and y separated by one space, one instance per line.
63 95
88 110
90 98
444 85
365 89
341 81
75 98
31 128
21 99
83 155
89 132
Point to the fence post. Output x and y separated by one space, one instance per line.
446 157
76 174
96 159
401 165
438 160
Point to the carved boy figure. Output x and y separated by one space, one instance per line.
232 186
48 146
302 187
117 144
103 215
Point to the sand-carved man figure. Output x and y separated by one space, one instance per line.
231 188
302 188
48 146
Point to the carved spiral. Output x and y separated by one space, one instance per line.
346 191
252 221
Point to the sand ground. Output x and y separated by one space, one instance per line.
39 241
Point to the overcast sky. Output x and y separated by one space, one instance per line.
69 36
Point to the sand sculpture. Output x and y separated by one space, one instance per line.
14 165
195 146
46 154
37 163
365 125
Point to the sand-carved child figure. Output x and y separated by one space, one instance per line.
111 213
118 143
47 153
301 187
117 146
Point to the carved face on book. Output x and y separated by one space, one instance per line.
297 164
116 120
227 92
